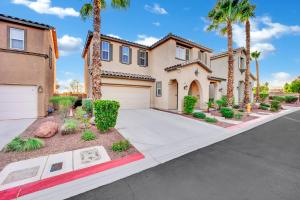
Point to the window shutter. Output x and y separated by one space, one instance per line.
138 57
146 59
205 58
120 54
110 52
130 55
187 54
199 55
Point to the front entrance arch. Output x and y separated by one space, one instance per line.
173 95
195 90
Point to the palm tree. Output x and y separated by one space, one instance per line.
247 12
225 13
93 9
255 55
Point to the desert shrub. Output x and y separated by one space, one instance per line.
275 105
55 100
199 115
79 113
223 102
69 127
238 116
189 104
263 96
87 105
19 144
273 110
227 112
278 98
121 145
264 104
211 120
236 106
290 99
88 135
106 114
263 107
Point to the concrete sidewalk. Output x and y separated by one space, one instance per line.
161 137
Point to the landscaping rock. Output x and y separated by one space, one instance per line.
46 129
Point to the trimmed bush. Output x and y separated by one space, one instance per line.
87 105
106 114
275 105
55 100
263 96
223 102
264 104
69 127
236 106
189 104
241 110
19 144
263 107
88 135
211 120
290 99
278 98
199 115
120 146
227 112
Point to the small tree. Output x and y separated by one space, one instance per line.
75 86
295 87
287 88
189 104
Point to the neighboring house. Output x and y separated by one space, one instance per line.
28 53
158 76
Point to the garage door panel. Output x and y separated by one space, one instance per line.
128 96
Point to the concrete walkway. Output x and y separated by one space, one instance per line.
12 128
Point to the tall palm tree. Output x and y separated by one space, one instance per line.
246 13
224 14
93 9
255 55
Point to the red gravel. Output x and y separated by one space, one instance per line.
61 143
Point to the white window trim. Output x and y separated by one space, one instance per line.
10 39
108 51
143 58
123 54
184 52
158 88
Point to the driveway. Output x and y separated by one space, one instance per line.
262 163
12 128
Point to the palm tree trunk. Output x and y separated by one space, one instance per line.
230 66
96 63
257 81
247 73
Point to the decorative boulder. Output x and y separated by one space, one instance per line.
46 129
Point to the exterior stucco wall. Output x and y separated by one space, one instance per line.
21 69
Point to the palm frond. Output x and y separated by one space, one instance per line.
120 4
86 11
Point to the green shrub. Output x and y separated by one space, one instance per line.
56 100
263 96
238 116
278 98
241 110
88 135
106 114
227 112
19 144
264 104
223 102
69 127
87 105
236 106
273 110
79 113
290 99
120 146
211 120
275 105
189 104
199 115
263 107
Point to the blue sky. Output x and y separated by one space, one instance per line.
275 30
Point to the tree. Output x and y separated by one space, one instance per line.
295 87
222 16
75 86
94 10
246 13
255 55
287 88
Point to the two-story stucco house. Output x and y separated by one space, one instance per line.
158 76
28 53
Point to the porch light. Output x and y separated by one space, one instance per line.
185 87
40 89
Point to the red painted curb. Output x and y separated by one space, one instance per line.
28 188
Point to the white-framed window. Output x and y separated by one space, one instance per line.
16 38
203 57
242 63
158 89
125 54
142 58
182 53
105 51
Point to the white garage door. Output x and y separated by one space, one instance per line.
128 96
17 102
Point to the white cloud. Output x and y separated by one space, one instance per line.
156 24
45 7
146 40
114 36
156 9
68 45
280 78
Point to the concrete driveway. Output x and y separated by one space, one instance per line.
12 128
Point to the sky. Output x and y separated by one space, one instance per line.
275 30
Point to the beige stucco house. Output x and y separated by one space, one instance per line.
158 76
28 53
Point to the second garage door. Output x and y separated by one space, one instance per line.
129 97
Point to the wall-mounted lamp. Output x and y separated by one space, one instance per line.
221 89
185 87
40 89
196 72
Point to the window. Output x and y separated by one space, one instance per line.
203 57
16 39
105 51
242 63
142 58
50 58
182 53
158 89
125 54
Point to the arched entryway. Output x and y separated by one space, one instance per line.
173 95
195 90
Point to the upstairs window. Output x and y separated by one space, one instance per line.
242 63
142 58
182 53
203 57
125 54
17 39
105 53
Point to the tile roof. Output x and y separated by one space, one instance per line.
214 78
24 22
111 74
222 54
181 65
